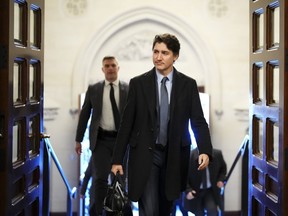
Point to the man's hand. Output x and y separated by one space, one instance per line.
117 168
220 184
78 148
203 161
190 195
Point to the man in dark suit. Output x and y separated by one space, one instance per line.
203 192
98 103
158 165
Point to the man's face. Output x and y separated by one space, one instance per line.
110 69
163 58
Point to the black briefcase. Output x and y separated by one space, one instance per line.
116 202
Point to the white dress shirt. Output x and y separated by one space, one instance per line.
107 119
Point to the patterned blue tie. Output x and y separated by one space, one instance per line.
164 113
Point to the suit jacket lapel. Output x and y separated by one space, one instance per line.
150 92
99 93
175 92
122 97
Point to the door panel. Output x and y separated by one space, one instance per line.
268 108
21 108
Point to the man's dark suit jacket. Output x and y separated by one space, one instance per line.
93 105
217 169
139 129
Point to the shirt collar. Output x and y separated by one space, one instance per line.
115 83
160 76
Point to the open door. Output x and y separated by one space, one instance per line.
268 150
21 107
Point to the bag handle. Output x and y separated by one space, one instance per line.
118 184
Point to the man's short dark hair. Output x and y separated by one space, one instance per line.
109 58
170 40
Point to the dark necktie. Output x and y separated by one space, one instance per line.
164 113
116 114
204 178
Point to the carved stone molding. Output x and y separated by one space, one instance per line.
218 8
74 8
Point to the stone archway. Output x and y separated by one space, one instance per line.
129 37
